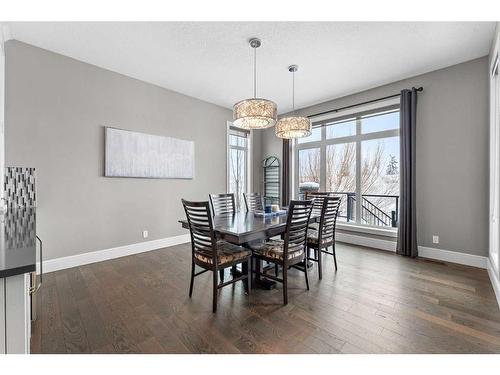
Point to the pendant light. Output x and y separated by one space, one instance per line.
254 113
293 126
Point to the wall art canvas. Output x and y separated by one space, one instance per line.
133 154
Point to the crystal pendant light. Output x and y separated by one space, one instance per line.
293 126
254 113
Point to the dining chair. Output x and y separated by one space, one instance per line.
253 202
212 254
291 251
222 204
321 238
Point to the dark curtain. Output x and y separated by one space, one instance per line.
285 184
407 233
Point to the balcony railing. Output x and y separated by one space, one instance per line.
376 209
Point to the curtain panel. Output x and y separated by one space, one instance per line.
407 231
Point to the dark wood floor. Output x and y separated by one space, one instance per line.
377 302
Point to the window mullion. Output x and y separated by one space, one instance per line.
358 171
322 150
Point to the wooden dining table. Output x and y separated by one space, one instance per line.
241 228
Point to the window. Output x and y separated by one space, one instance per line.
357 157
341 129
309 168
380 122
238 160
341 176
315 136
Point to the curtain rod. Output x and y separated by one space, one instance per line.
358 104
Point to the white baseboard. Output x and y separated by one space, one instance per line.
494 280
361 240
453 257
56 264
423 252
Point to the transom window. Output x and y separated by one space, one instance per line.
356 157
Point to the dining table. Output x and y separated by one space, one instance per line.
242 228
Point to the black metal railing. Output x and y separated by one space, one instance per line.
371 213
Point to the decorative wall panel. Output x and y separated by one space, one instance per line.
19 228
19 187
133 154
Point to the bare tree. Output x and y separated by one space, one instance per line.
309 168
341 167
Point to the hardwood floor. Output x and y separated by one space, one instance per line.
377 302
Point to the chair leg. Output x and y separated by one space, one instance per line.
276 270
192 280
214 298
258 265
334 256
249 276
285 285
307 278
221 275
320 263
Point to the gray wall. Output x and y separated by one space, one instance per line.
452 153
56 108
257 161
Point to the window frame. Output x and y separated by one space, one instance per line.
494 168
358 139
230 130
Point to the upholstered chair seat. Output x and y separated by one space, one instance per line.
313 237
274 249
226 253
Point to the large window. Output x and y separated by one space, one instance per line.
356 157
238 163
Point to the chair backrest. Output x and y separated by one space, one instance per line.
318 203
222 204
253 202
314 194
200 222
329 211
297 222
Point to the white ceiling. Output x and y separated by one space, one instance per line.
212 60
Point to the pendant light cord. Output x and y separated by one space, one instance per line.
293 91
255 72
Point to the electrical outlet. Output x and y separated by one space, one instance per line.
145 234
435 239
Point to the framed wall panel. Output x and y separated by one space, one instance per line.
134 154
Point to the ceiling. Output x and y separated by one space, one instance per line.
212 60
